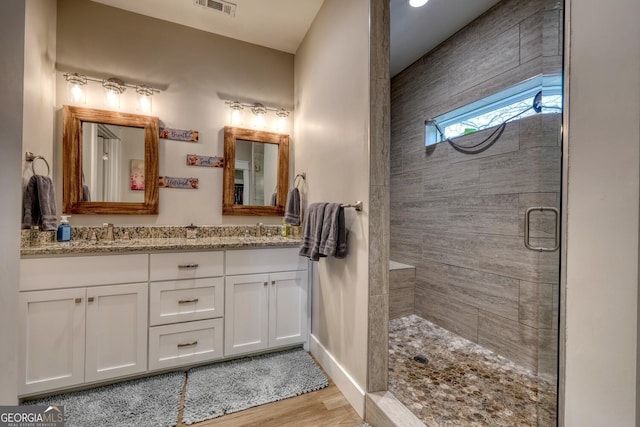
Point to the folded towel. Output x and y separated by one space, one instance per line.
292 210
312 231
334 235
39 204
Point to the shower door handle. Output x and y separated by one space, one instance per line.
527 220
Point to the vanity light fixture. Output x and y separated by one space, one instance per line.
236 112
260 115
113 88
418 3
75 88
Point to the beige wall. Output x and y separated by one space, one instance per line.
12 49
195 69
602 204
331 130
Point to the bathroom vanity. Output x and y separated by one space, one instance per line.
96 313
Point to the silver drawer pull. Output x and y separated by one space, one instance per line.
187 266
188 301
188 344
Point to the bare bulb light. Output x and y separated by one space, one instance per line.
418 3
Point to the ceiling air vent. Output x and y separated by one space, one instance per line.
222 6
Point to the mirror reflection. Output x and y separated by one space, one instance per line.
112 163
109 162
256 173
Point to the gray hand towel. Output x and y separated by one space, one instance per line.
333 242
86 195
47 202
312 231
39 204
292 210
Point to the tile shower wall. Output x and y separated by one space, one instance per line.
459 218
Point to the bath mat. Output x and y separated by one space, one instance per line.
226 387
146 402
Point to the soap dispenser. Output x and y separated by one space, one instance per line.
64 230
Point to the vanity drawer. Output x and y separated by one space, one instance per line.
252 261
186 300
186 265
185 343
69 272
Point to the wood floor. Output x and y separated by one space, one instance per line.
326 408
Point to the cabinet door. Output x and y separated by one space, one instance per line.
51 339
246 313
116 331
288 303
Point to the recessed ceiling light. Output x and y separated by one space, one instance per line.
417 3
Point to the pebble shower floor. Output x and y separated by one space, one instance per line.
463 384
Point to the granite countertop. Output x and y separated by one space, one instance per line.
171 240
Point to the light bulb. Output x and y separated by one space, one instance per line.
236 117
75 83
259 121
418 3
144 98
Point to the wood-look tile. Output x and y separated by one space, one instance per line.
433 275
531 36
406 245
511 339
426 214
552 23
508 142
493 214
444 179
451 248
402 278
548 352
378 239
552 129
539 130
377 367
401 302
474 65
506 14
395 159
536 304
524 171
485 291
407 187
456 317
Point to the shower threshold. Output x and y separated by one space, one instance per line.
463 384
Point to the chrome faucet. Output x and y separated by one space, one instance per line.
109 236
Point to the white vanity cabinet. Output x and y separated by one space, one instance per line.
72 334
186 304
268 307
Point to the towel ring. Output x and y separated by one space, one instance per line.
30 157
302 175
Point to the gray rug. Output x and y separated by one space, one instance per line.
232 386
147 402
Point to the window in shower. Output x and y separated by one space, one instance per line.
516 101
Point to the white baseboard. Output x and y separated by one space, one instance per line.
347 385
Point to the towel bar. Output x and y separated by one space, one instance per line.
357 205
30 157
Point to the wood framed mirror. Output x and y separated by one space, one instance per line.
256 172
109 162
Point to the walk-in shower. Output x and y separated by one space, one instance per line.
474 313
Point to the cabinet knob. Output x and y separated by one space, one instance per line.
90 299
78 300
187 266
266 283
273 282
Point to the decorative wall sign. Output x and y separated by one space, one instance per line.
136 174
208 161
179 134
186 183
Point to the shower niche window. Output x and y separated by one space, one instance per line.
534 96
